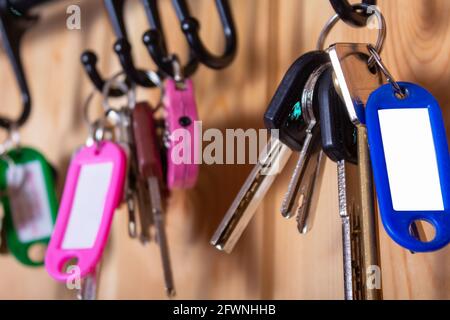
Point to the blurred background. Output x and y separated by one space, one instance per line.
271 261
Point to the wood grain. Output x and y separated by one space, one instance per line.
271 261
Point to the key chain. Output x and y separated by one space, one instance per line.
410 160
92 192
182 144
28 200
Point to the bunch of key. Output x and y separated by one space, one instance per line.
120 163
320 108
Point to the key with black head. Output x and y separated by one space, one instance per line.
285 111
303 187
338 133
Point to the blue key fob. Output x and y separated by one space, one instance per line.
411 164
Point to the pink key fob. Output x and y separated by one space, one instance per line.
182 171
92 192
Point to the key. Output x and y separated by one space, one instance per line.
285 110
309 188
124 137
271 161
90 285
30 204
339 143
150 170
338 133
284 114
356 199
92 192
302 180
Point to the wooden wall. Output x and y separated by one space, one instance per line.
272 261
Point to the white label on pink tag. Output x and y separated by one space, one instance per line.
411 159
88 206
29 201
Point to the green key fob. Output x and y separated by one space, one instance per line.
29 204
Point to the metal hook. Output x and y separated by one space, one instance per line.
122 47
12 28
349 14
154 40
191 26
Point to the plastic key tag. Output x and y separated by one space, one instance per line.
29 204
92 192
182 169
411 164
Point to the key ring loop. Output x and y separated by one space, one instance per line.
113 82
399 92
97 128
361 6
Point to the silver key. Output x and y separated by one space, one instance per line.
311 147
309 188
158 218
90 285
271 161
356 199
124 137
346 231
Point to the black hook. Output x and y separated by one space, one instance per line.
191 26
351 16
21 7
154 40
12 28
122 47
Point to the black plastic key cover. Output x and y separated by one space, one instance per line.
284 111
337 131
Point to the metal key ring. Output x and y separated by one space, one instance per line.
399 92
361 6
113 82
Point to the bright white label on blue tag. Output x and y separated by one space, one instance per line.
411 159
88 206
29 201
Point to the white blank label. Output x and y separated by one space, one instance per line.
88 206
29 201
411 159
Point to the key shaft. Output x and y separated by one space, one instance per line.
271 161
